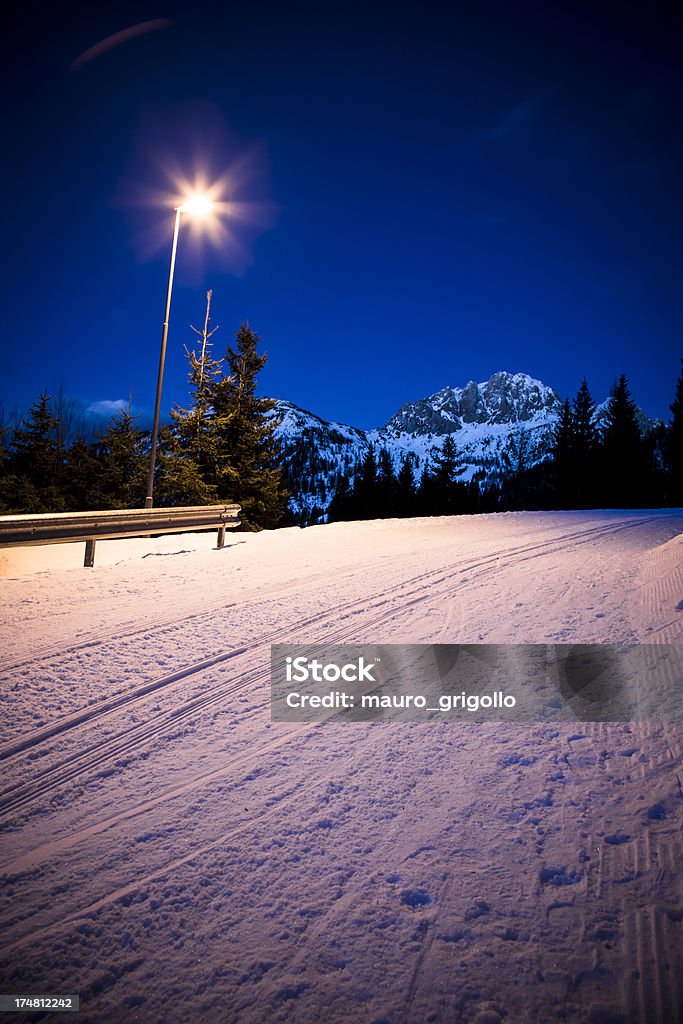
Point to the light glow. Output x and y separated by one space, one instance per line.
197 206
223 208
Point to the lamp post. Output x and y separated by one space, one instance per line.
198 205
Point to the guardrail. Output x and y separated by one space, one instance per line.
65 527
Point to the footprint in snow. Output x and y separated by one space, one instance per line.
617 838
415 898
478 909
560 876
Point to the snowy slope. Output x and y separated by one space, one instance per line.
174 856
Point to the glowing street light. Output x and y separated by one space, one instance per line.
195 206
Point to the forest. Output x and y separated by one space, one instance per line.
223 447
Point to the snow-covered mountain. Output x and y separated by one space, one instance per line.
503 399
500 423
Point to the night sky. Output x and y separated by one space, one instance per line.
427 193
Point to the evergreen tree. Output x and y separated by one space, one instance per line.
365 487
675 446
473 502
37 461
624 464
192 450
586 443
247 469
83 477
448 495
386 485
340 508
491 498
180 479
124 462
585 430
406 491
425 501
7 478
517 453
564 456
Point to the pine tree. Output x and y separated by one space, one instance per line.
386 485
473 504
7 477
585 443
365 487
675 446
37 461
564 456
425 499
192 450
341 508
518 451
624 464
82 477
124 462
585 430
406 491
448 494
247 469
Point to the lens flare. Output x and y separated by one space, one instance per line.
223 213
197 206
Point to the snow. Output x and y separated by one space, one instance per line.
478 444
172 855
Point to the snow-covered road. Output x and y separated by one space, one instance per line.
172 855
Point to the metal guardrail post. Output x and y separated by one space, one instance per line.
89 560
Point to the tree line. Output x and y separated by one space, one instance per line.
222 447
379 492
593 462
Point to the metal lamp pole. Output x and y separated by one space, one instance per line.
162 360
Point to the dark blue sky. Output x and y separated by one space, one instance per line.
442 190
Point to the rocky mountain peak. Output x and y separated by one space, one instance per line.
504 398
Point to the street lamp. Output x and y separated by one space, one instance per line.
195 206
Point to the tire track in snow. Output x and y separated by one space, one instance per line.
123 744
633 898
278 804
22 743
97 755
648 999
30 861
652 929
154 624
105 707
660 594
118 752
